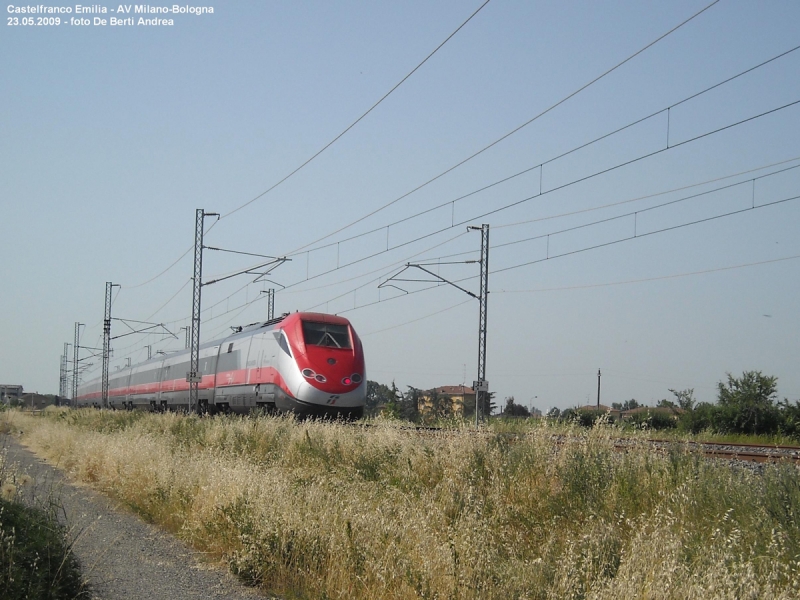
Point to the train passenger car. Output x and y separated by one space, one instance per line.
311 364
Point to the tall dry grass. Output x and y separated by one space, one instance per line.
321 510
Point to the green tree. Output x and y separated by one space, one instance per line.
790 418
409 404
379 395
627 405
512 409
488 405
747 403
684 398
553 413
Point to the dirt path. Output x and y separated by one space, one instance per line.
122 557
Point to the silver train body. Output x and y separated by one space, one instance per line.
311 364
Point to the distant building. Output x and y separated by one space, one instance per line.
447 399
672 411
36 401
9 393
612 412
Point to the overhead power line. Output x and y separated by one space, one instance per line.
461 162
475 218
542 164
524 171
516 203
666 229
428 316
635 236
324 148
646 279
643 210
648 233
354 123
509 134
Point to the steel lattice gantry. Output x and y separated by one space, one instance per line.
194 376
75 351
483 296
106 342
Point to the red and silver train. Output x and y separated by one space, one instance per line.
311 364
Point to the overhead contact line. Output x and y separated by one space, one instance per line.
354 123
538 195
510 133
541 165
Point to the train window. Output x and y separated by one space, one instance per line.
326 334
230 347
283 344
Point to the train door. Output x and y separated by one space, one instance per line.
210 369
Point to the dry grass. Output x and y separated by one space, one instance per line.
316 510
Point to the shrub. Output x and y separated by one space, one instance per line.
35 558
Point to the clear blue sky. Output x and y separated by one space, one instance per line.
111 138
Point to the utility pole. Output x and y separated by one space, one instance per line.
61 376
63 389
598 389
188 331
106 341
149 351
75 351
483 386
193 376
67 382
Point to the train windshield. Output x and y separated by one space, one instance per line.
326 334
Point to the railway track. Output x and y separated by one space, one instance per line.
758 453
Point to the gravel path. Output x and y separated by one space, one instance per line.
122 557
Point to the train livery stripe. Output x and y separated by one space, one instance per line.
225 379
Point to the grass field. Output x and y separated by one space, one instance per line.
322 510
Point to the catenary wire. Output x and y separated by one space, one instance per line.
510 133
354 123
587 249
554 158
384 270
328 145
648 233
525 124
646 279
642 210
563 186
428 316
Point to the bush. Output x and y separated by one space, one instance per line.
656 419
35 560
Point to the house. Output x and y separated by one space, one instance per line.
614 413
9 393
36 401
447 400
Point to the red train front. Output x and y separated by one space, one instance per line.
321 362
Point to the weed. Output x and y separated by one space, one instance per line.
328 510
